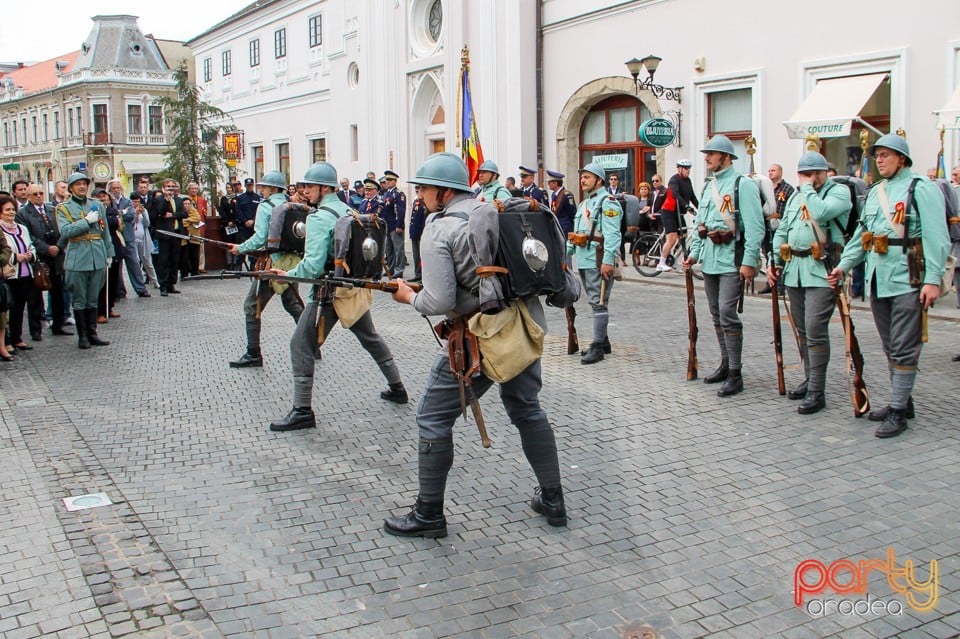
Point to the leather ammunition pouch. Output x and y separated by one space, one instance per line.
702 231
721 237
879 244
787 252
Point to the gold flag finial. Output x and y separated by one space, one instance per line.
902 133
864 139
465 57
813 142
751 143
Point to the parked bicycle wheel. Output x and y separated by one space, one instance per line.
645 253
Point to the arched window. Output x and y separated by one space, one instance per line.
608 136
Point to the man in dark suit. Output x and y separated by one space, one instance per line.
659 194
167 214
41 221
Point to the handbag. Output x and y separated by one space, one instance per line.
351 304
509 341
41 277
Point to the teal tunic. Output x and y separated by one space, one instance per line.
718 259
608 226
319 247
890 271
88 245
261 225
828 208
493 190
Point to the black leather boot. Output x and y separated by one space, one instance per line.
799 392
594 354
248 360
893 424
80 319
298 418
812 403
549 503
718 375
607 349
425 520
732 385
396 394
880 414
92 328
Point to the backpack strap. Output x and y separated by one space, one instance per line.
330 211
911 204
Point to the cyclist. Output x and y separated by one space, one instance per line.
681 188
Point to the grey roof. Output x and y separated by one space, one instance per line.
253 7
116 41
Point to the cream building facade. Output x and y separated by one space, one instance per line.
370 85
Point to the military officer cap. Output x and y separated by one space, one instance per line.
524 171
390 175
357 184
248 181
555 176
893 142
371 184
76 177
720 144
596 169
490 167
812 161
98 191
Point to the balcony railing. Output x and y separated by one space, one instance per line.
99 139
74 140
160 139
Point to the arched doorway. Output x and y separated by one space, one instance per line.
599 101
428 115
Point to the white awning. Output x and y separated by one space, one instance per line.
832 106
949 116
150 166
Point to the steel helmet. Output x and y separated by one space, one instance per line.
721 144
489 166
322 173
893 142
445 170
684 163
812 161
273 178
596 169
76 177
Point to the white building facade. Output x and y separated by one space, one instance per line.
371 85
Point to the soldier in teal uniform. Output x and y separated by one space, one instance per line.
83 226
727 244
273 191
803 247
595 242
320 187
902 210
488 177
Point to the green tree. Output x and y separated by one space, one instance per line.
194 127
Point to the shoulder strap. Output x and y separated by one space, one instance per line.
330 211
593 224
899 229
718 203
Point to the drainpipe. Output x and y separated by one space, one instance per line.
539 92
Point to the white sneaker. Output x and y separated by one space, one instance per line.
663 267
69 321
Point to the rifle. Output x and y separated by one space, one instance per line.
692 331
199 238
389 286
778 339
858 388
743 286
573 344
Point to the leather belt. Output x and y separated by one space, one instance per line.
86 237
720 237
879 243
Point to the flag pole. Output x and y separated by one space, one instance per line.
464 68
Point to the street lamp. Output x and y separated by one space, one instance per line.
650 63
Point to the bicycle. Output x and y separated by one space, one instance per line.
647 247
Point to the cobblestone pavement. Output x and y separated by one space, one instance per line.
688 513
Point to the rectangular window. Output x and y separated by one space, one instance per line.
79 113
255 53
34 123
227 60
207 69
99 118
280 43
56 124
134 119
354 143
623 124
257 162
70 123
6 135
283 158
23 123
731 113
318 150
155 113
595 128
316 35
13 127
46 128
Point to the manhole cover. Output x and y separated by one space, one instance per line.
82 502
640 632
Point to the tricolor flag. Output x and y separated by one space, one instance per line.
864 165
470 138
941 166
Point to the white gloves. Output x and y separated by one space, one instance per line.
92 217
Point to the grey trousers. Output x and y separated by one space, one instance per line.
291 303
592 283
899 325
723 293
811 308
439 409
303 349
134 270
394 254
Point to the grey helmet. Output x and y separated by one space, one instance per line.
720 144
893 142
322 173
275 179
595 169
445 170
490 166
76 177
812 161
